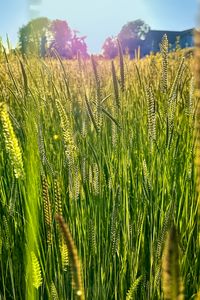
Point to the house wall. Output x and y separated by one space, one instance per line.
154 38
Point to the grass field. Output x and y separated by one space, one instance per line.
110 147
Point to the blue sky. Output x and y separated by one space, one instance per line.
98 19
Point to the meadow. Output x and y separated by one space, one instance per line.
108 147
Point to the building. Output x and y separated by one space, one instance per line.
154 38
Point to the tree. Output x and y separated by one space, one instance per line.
24 34
133 34
110 48
42 35
61 40
32 34
78 45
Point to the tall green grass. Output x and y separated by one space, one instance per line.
110 148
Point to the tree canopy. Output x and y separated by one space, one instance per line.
110 48
131 36
42 36
134 30
62 35
30 35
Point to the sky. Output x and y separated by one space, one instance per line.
98 19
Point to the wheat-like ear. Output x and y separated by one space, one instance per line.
121 64
54 293
74 260
164 52
96 179
151 115
115 85
25 80
84 170
91 114
70 149
160 243
64 254
58 209
98 94
172 102
76 187
36 271
171 281
96 77
42 151
189 103
47 209
11 143
57 197
6 232
92 238
164 230
147 180
69 143
174 88
115 223
133 288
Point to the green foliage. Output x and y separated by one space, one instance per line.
110 48
134 30
31 36
43 37
132 34
62 35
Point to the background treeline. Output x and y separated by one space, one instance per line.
45 38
